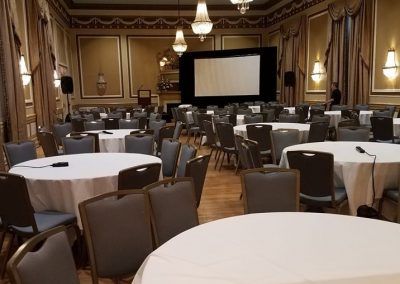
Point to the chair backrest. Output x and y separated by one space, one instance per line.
139 176
165 132
94 125
270 190
268 115
139 143
88 116
111 123
260 133
78 124
61 130
348 122
225 134
156 126
15 205
173 207
95 113
208 128
187 152
382 128
51 263
316 111
361 107
116 248
280 139
302 111
242 155
142 122
318 132
48 143
277 110
154 116
232 118
196 168
316 172
353 134
339 107
128 124
318 106
115 115
217 119
252 153
350 114
253 118
169 156
79 145
137 114
381 113
391 109
202 117
290 118
244 111
177 130
212 107
321 118
19 152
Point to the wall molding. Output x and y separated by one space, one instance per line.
225 36
59 9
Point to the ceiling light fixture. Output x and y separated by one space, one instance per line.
202 24
179 45
242 5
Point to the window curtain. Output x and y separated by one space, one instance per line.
12 100
42 62
293 58
360 13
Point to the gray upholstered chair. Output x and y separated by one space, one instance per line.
270 190
318 132
173 207
60 131
115 115
94 125
362 107
139 176
165 132
280 139
154 116
226 137
79 145
19 152
381 113
196 168
253 118
382 129
187 152
290 118
242 158
302 112
177 130
48 143
339 107
51 263
191 128
321 118
317 189
128 124
116 249
111 123
156 125
169 156
349 122
268 115
391 109
211 138
140 144
78 124
353 134
261 134
138 114
88 117
217 119
244 111
318 106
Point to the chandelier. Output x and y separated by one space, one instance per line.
179 45
202 24
242 5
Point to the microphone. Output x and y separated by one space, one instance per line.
60 164
360 150
107 132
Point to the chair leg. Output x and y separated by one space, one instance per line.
195 138
222 161
218 156
237 167
188 136
216 153
7 256
201 138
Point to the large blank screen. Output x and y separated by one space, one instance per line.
228 76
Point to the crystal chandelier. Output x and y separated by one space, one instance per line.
242 5
202 24
179 45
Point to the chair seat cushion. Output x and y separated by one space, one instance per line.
392 194
324 201
46 220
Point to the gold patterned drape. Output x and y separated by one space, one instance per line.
360 15
293 58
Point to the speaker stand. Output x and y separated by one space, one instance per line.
68 116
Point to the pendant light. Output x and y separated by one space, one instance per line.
202 24
179 45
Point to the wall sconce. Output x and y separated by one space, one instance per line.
390 68
57 80
318 72
101 84
25 75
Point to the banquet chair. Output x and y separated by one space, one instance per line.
115 115
116 249
251 153
289 118
212 107
317 188
164 132
139 176
173 207
111 123
211 138
382 129
302 112
278 109
318 107
321 118
253 118
169 156
142 131
191 128
43 259
261 134
232 119
220 111
280 139
349 122
242 159
128 124
350 114
258 103
88 117
226 137
315 111
381 113
270 190
196 168
154 116
139 143
177 130
318 132
95 113
217 119
174 115
202 117
339 107
244 111
94 125
79 144
156 126
353 134
268 115
391 195
48 143
18 152
142 122
60 130
391 109
187 152
138 114
78 124
361 106
18 215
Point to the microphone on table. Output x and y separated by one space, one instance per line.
60 164
360 150
107 132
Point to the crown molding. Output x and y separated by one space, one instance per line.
59 8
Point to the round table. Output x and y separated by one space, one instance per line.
280 248
353 170
87 175
302 127
336 117
396 127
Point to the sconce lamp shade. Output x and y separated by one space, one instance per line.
390 68
57 80
318 72
25 75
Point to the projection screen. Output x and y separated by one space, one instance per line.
227 76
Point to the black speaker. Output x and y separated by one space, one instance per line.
289 79
67 85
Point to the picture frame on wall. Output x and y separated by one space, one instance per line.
144 97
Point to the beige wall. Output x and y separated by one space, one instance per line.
240 41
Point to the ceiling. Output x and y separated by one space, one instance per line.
160 2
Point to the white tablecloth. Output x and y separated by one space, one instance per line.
302 127
112 143
86 176
285 248
291 110
396 126
353 169
255 109
336 116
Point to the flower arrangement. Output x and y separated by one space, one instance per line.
164 84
